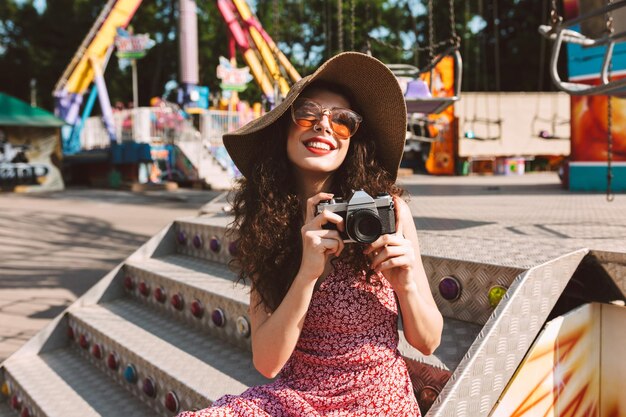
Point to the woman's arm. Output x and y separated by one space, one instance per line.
275 335
399 260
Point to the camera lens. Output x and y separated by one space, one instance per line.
364 226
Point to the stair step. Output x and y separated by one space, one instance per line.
210 283
5 410
205 237
66 385
183 270
197 367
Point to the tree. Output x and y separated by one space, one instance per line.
40 44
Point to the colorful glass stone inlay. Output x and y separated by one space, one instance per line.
112 361
159 294
144 288
232 248
215 244
149 387
83 341
243 326
25 412
178 302
129 283
427 396
495 295
197 242
181 238
197 309
6 389
450 288
218 317
16 402
96 351
171 402
130 374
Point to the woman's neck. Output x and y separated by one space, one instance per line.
310 184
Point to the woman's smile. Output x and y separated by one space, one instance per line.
320 145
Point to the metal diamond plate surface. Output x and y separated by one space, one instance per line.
476 279
206 229
501 345
614 264
424 375
196 366
456 339
65 385
5 410
209 282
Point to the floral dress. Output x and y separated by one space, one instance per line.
346 362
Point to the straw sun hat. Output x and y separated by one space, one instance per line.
376 92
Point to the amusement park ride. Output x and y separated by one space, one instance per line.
530 329
84 74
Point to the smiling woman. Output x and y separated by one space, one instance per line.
324 311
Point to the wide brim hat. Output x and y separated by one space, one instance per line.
376 93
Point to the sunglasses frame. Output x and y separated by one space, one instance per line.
326 112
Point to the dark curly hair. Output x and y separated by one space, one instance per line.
268 212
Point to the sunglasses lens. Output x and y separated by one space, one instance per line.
306 113
344 122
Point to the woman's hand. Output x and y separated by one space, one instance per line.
394 254
318 244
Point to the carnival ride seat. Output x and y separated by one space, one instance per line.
418 96
561 32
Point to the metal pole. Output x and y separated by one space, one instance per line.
133 63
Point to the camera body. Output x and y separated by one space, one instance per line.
366 218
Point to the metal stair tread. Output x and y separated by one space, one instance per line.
217 220
66 385
212 277
456 339
5 410
205 364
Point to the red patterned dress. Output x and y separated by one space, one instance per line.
346 362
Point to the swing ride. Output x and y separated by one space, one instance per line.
595 38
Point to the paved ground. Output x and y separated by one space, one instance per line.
54 247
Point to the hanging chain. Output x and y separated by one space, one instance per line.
414 49
456 39
431 32
276 17
340 25
352 24
609 122
555 18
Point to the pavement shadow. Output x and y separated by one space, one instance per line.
51 250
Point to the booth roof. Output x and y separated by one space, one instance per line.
15 112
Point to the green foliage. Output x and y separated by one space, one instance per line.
40 45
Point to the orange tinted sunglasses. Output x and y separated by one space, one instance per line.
307 113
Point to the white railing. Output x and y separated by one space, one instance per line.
162 124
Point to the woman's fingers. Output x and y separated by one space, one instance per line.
387 253
385 240
328 217
312 203
399 261
322 240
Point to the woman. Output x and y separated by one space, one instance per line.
323 312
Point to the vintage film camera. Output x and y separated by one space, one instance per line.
366 218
